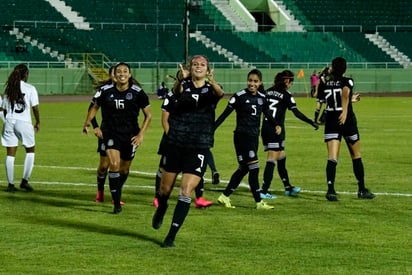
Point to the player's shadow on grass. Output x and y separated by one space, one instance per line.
89 227
48 199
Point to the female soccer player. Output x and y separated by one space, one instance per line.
19 98
121 134
280 100
249 104
341 122
188 139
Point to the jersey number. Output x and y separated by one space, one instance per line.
333 99
272 106
119 103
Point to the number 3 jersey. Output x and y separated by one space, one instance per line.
120 110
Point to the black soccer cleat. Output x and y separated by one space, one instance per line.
168 242
158 216
331 197
11 188
26 186
365 194
117 209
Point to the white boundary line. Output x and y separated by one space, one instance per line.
244 185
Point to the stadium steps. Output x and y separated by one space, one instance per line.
388 48
198 36
98 74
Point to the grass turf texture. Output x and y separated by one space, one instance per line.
60 229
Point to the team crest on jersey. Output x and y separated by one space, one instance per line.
129 96
110 142
204 90
260 101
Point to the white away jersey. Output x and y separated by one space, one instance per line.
20 111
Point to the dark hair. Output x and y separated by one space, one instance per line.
279 82
13 90
256 72
106 81
338 67
132 80
261 88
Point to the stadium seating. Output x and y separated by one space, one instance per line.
147 31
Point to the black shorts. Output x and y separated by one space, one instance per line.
101 148
333 130
186 160
122 143
246 147
271 141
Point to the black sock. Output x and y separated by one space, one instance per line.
283 173
211 161
331 174
316 115
268 175
157 183
322 116
101 179
114 184
359 173
199 188
179 216
254 180
235 180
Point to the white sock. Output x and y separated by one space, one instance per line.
28 165
10 169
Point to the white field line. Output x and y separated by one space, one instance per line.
220 186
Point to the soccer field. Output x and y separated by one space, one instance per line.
59 229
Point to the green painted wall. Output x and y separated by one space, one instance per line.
76 81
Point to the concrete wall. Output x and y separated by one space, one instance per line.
76 81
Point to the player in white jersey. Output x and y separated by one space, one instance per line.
19 98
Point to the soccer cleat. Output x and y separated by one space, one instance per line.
264 205
292 191
225 201
11 188
365 194
267 195
202 203
331 196
158 216
25 185
168 243
117 210
216 179
100 196
121 203
156 202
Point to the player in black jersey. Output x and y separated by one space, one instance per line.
167 108
280 100
323 76
121 134
249 104
101 172
188 140
341 122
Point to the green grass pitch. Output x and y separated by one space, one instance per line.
59 229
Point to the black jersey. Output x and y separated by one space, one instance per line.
331 91
249 109
120 110
192 118
279 102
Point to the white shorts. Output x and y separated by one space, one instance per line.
15 130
